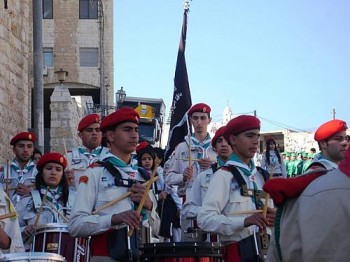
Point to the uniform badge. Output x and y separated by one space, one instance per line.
83 179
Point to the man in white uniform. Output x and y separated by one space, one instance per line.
101 184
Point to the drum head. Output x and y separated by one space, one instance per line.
33 257
51 227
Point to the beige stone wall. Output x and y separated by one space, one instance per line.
66 33
14 57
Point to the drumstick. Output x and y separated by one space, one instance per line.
7 177
41 208
65 153
58 212
9 215
193 159
267 198
116 200
248 212
143 199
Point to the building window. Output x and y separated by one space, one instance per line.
48 56
88 57
88 9
47 9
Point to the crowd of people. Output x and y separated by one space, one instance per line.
120 195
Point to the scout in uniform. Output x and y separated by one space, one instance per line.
96 212
52 184
333 143
312 219
18 178
232 206
200 185
272 160
192 156
90 151
10 233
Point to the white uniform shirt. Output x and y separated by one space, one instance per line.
98 190
179 161
222 199
17 175
10 226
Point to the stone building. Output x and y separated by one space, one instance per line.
78 38
15 31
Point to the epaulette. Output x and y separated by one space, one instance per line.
95 164
2 168
282 189
225 168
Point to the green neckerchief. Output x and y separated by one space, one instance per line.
247 170
278 230
54 196
94 153
16 166
206 143
220 161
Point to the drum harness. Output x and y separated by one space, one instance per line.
262 240
135 240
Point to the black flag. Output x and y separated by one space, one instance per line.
182 96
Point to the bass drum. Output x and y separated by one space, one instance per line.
33 257
182 252
55 238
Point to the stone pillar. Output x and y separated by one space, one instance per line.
64 120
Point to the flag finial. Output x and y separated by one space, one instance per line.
186 5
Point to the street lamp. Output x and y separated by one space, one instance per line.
120 97
61 75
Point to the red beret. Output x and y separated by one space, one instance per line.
218 133
241 124
329 128
141 146
88 120
28 136
52 158
201 107
122 115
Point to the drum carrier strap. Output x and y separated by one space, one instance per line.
256 194
118 180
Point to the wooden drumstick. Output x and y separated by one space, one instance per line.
267 198
248 212
7 176
116 200
41 208
143 199
9 215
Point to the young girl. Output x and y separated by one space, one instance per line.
51 185
272 160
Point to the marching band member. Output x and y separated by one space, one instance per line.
333 143
114 176
192 156
17 179
312 219
235 194
51 185
197 147
200 185
89 152
10 233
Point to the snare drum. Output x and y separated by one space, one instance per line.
181 252
55 238
33 257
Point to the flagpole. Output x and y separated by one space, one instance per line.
182 101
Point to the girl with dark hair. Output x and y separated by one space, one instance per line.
272 160
51 184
